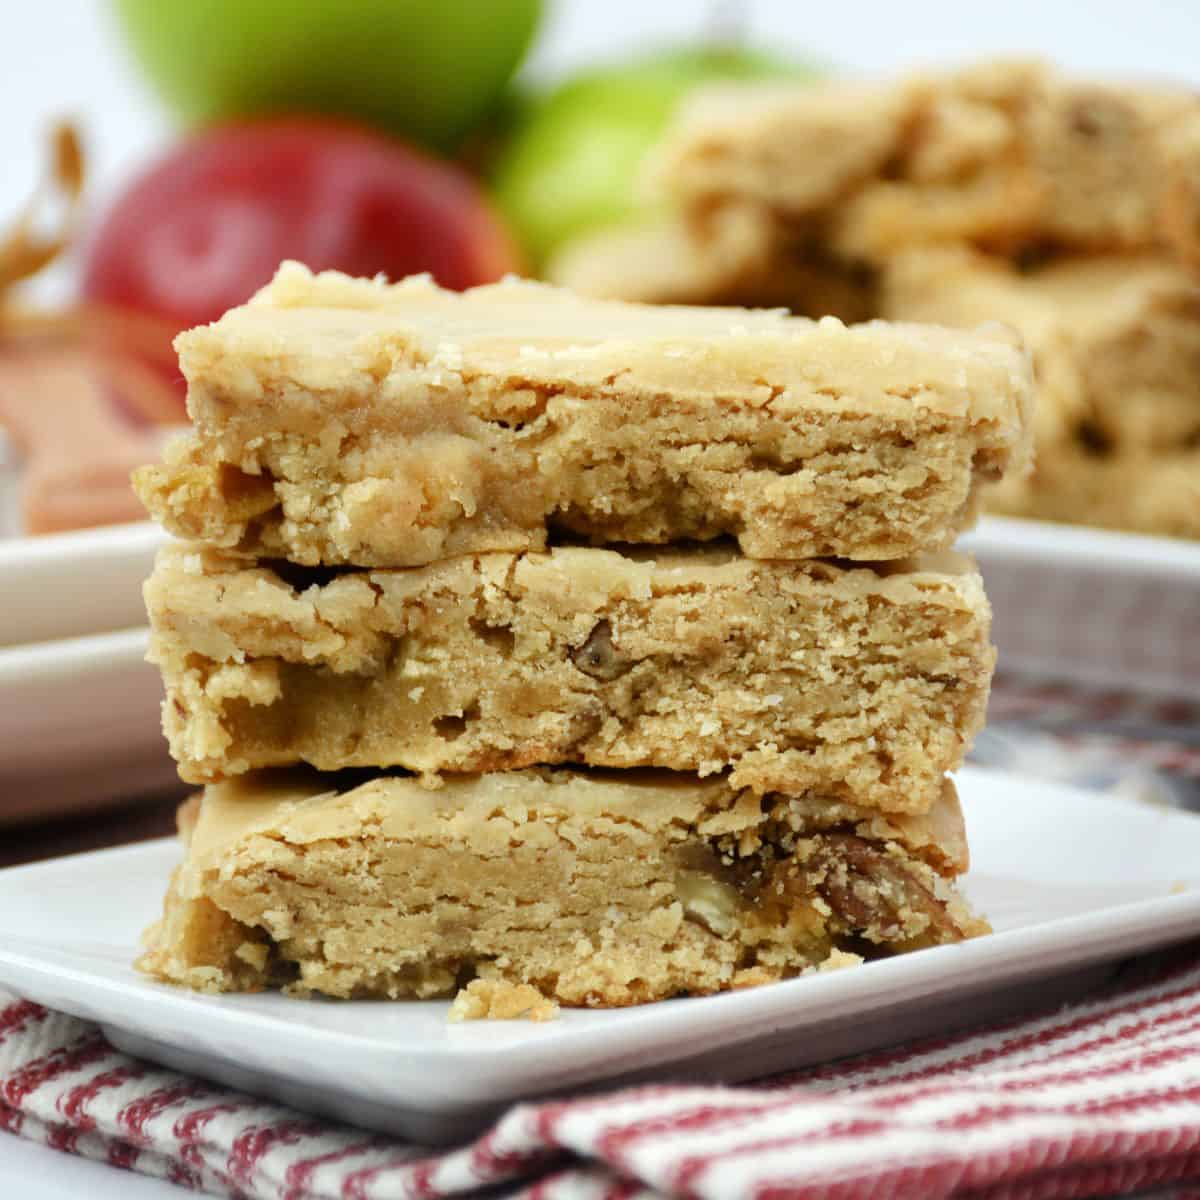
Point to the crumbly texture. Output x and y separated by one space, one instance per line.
597 889
498 1000
867 684
1010 157
1116 344
343 421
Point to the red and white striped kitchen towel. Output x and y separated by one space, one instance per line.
1098 1099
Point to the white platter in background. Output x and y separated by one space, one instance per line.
66 585
1070 879
79 726
1113 609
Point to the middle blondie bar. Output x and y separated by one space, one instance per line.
864 683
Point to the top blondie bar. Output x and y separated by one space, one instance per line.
341 421
1011 157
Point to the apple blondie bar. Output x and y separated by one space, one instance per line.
1068 209
594 888
341 421
1116 345
864 684
1115 339
1010 157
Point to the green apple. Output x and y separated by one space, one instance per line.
425 69
572 167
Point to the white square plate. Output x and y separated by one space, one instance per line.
1068 878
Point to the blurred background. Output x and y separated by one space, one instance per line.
161 158
70 57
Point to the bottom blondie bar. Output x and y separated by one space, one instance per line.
592 887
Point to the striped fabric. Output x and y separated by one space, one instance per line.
1099 1099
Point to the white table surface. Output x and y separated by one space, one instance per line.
33 1172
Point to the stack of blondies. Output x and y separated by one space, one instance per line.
568 650
1067 208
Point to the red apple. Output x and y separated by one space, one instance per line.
207 224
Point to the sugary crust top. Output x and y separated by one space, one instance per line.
333 334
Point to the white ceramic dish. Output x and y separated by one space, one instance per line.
79 725
1068 878
79 719
1112 609
68 585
